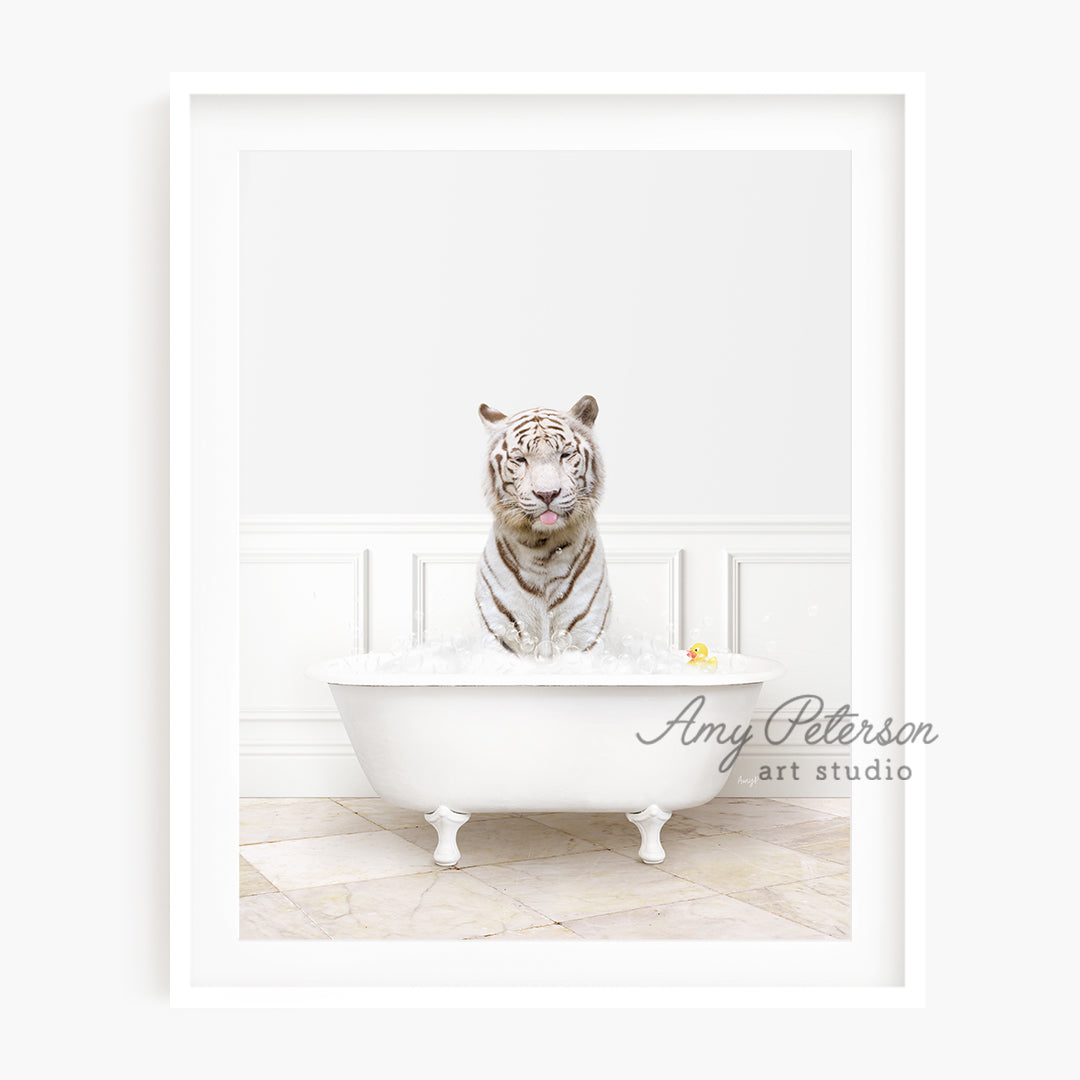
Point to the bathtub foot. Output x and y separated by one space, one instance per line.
649 822
446 822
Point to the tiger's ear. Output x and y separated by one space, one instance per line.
492 418
585 410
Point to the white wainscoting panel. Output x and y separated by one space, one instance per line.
443 604
316 587
296 608
646 590
795 606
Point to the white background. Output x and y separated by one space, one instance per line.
702 296
84 425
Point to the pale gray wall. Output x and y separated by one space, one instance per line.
701 296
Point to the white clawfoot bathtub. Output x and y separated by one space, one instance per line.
455 745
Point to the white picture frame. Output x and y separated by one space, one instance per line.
882 964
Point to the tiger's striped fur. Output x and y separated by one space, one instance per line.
540 587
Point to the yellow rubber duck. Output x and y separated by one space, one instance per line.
700 658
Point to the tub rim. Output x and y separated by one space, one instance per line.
761 670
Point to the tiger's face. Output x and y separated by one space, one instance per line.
544 472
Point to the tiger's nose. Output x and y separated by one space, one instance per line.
547 497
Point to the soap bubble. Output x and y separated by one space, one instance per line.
619 652
646 664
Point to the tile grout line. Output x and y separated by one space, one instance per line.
598 846
846 814
289 900
692 899
437 873
528 907
616 911
537 858
799 922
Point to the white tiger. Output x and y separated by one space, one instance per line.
542 583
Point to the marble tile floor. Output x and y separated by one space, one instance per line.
736 869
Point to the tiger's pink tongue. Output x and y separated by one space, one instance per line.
549 517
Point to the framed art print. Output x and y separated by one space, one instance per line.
668 328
